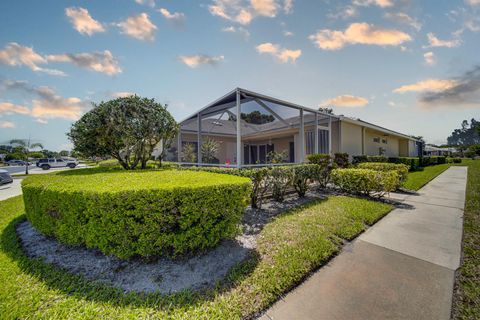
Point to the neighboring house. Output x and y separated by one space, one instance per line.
430 150
271 125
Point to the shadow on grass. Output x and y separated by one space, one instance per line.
79 287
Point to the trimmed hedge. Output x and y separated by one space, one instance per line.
400 169
365 181
412 162
136 213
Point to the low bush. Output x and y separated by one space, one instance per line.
280 179
377 159
365 181
400 169
151 164
130 213
341 160
321 173
433 160
303 175
359 159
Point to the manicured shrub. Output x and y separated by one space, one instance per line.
377 159
412 162
359 159
302 175
441 160
134 213
457 160
319 158
321 173
341 160
400 169
280 179
365 181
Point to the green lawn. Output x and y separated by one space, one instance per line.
467 300
417 179
289 248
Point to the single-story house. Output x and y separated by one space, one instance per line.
430 150
268 125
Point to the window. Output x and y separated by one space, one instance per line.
384 140
322 141
376 139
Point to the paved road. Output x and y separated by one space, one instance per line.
401 268
14 189
17 169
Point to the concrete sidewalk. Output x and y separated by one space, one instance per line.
401 268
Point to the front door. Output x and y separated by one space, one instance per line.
291 152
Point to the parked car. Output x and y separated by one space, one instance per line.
46 164
5 177
16 163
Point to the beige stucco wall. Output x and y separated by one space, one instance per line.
373 148
351 139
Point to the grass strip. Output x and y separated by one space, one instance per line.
289 249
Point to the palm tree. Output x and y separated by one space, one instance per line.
26 146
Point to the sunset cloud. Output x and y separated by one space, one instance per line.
176 17
83 22
195 61
473 2
358 33
281 54
345 101
102 62
379 3
464 92
429 85
404 18
139 27
7 125
150 3
16 55
244 11
435 42
10 108
267 8
122 94
46 103
430 58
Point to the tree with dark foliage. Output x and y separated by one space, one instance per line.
467 135
127 129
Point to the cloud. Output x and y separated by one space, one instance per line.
232 10
288 6
46 103
177 17
430 58
83 22
429 85
244 11
122 94
345 101
287 33
379 3
102 62
240 30
267 8
435 42
473 2
344 13
139 27
464 92
281 54
16 55
150 3
404 18
7 125
194 61
358 33
10 108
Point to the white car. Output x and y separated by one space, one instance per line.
46 164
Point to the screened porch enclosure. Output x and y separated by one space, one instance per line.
244 129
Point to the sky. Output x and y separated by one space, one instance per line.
410 66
